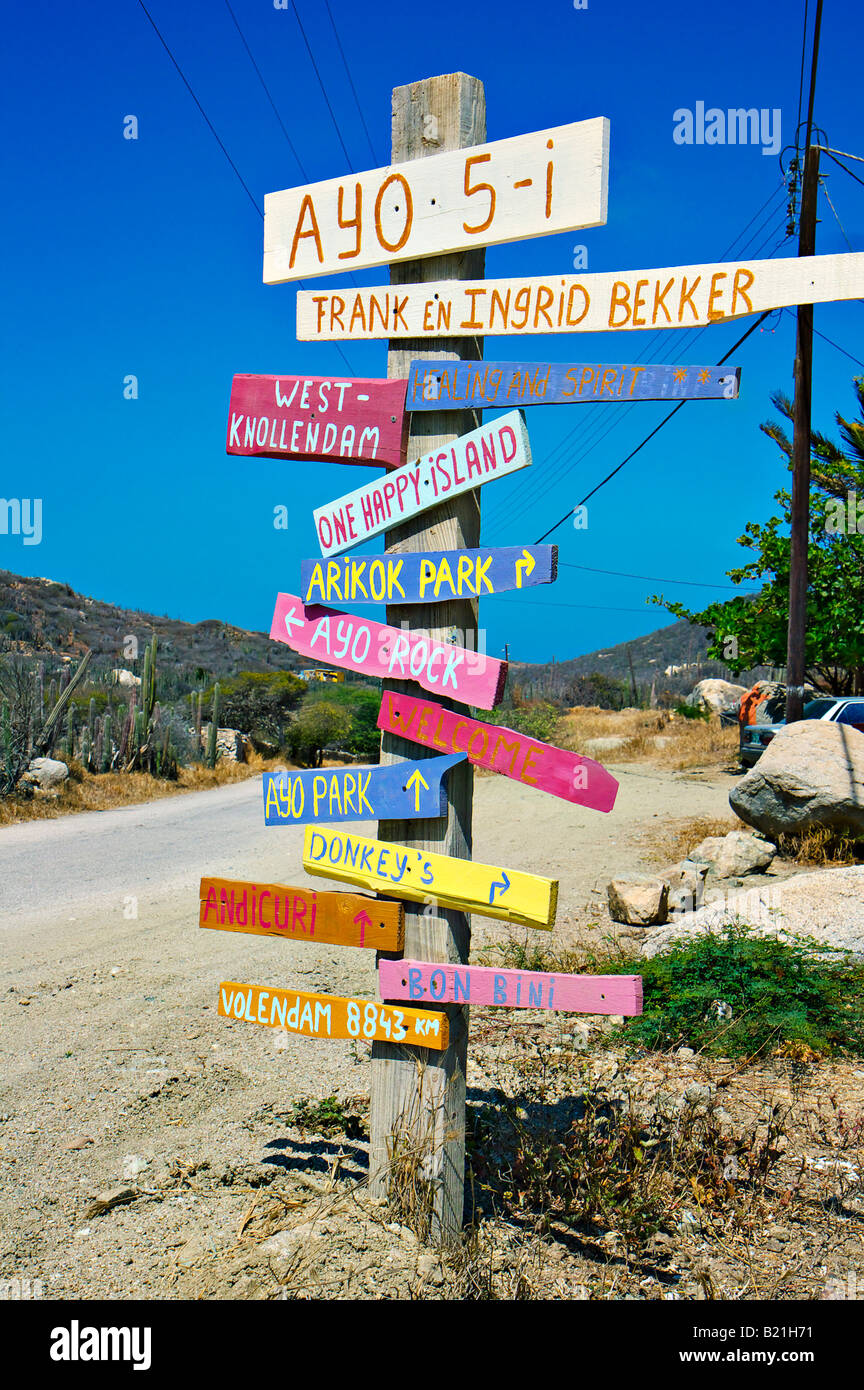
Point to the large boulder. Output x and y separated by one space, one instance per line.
735 854
811 774
715 695
826 906
46 773
232 746
639 904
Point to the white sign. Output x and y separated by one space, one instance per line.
476 458
680 297
531 185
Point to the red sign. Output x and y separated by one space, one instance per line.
335 420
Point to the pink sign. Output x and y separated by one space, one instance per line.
512 989
388 653
311 417
525 759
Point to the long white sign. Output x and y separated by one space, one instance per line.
677 297
495 449
530 185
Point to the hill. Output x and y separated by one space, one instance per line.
44 617
671 659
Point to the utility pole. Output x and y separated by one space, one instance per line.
418 1096
796 663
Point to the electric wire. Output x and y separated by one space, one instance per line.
648 437
323 88
375 158
291 146
210 125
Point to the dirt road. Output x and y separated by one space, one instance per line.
111 1046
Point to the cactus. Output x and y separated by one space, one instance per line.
5 737
85 746
140 730
107 748
70 733
214 727
91 720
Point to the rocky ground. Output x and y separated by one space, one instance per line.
150 1149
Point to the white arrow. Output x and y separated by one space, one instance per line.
292 622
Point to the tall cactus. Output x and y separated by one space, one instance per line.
85 746
70 732
5 737
107 746
214 727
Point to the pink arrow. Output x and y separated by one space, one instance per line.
363 920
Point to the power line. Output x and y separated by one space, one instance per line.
650 436
375 159
850 172
835 212
267 93
212 129
653 578
323 88
826 149
210 125
592 607
593 428
825 337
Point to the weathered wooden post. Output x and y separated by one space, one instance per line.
418 1097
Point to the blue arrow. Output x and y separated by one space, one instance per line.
503 885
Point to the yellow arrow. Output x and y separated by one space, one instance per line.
414 781
527 565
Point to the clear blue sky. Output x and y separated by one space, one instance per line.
144 257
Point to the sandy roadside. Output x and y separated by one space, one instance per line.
110 1041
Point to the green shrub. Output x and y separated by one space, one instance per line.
780 996
536 721
693 712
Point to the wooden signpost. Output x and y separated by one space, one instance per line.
510 895
480 385
331 1016
424 576
489 452
512 989
530 185
410 791
332 419
301 914
676 297
374 649
566 775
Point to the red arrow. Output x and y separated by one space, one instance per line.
363 920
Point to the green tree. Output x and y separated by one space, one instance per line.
750 630
320 724
259 703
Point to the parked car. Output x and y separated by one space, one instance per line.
846 710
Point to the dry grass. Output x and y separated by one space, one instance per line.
822 846
87 791
676 838
656 736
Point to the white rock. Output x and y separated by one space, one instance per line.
715 695
639 904
125 678
827 906
46 773
735 854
